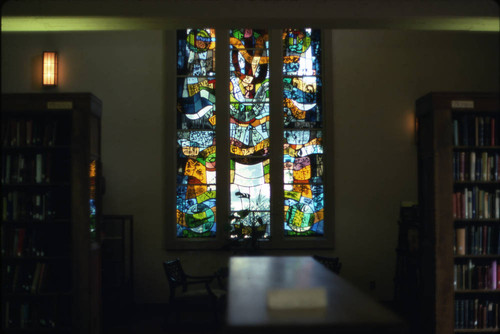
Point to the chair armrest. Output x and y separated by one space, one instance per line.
205 281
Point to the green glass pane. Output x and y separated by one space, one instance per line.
196 211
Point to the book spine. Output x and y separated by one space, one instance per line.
461 246
494 271
21 233
484 166
39 165
472 166
462 166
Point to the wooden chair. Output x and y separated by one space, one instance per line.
331 263
191 296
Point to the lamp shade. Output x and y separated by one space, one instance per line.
49 75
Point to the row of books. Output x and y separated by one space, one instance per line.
476 203
44 205
34 242
476 166
477 240
35 278
473 130
472 276
40 315
30 132
33 168
473 313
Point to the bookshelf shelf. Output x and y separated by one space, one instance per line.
36 295
485 256
458 140
476 221
36 222
466 183
474 330
51 213
36 258
477 291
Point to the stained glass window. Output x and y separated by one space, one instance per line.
196 133
244 176
92 200
249 133
303 148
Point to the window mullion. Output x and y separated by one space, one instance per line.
276 134
222 131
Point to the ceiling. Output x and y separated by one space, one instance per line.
98 15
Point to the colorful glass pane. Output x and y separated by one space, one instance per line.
249 132
302 86
196 103
303 149
196 52
302 52
195 133
196 211
93 205
250 191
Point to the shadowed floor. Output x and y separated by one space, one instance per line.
151 319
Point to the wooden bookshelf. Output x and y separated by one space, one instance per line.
458 139
50 213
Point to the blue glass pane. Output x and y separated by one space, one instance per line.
196 103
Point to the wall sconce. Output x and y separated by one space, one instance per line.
49 75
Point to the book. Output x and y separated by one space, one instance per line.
29 132
460 242
41 278
497 204
461 169
498 277
472 172
39 166
15 277
484 166
21 232
456 141
494 272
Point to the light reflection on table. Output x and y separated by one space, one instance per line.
348 309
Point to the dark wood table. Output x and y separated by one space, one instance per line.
348 310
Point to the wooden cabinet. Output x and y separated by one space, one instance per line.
459 192
50 213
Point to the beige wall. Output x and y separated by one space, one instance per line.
377 77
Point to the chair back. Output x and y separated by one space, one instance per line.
175 275
331 263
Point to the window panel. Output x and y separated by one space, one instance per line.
302 52
196 52
303 149
196 211
196 172
249 133
196 102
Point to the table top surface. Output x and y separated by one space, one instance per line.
348 310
